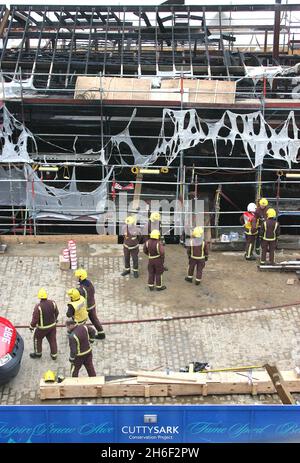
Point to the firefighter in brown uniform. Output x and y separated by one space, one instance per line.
270 231
261 216
154 223
80 339
77 307
154 249
132 236
198 254
87 290
43 323
250 224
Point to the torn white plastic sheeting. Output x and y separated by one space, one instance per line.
12 186
189 129
257 73
11 130
16 88
52 215
67 201
101 153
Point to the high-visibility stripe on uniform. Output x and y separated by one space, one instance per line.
85 296
161 283
131 247
202 251
274 232
79 353
249 253
42 326
35 348
157 249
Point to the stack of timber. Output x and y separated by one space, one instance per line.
143 383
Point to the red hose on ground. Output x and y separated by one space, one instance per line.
185 317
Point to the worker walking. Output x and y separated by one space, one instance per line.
250 223
87 290
77 307
154 249
132 236
43 324
261 216
197 251
80 339
270 231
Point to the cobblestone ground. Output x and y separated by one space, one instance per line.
223 341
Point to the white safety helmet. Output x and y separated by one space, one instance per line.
251 207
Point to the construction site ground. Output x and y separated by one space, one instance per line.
229 283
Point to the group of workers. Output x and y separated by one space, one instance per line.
261 231
81 307
197 250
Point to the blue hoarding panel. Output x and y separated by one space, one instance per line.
150 424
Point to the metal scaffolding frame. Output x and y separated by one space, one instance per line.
53 45
119 40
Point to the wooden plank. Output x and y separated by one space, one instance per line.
114 88
220 384
210 91
147 380
280 385
137 191
185 389
134 390
161 375
72 388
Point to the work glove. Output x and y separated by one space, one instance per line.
206 258
71 360
31 328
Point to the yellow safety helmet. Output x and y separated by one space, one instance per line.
49 376
155 234
271 213
263 202
74 294
81 273
197 232
130 220
42 294
155 216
